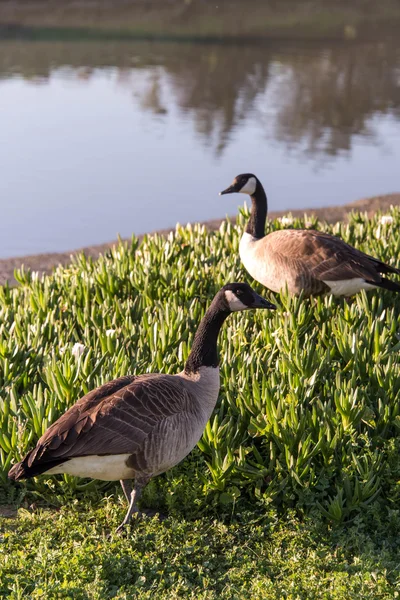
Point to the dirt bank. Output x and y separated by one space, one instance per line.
202 21
44 263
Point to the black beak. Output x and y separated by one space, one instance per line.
260 302
230 190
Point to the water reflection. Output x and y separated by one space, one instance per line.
329 98
246 107
322 96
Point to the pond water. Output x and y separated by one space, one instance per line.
106 138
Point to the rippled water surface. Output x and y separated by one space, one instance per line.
106 138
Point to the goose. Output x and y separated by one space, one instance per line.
136 427
303 260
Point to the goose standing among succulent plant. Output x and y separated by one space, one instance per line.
303 260
136 427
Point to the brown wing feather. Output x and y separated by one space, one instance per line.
320 256
113 419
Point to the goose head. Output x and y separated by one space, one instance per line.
240 296
246 183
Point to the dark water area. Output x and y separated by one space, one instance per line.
106 138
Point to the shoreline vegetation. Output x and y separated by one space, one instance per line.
46 262
191 20
293 490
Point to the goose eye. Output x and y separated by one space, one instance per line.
239 292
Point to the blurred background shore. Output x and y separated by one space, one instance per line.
201 19
127 117
45 263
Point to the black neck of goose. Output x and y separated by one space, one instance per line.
204 350
256 224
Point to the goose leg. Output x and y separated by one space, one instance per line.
126 488
135 494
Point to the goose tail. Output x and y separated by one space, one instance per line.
386 284
24 470
384 268
18 471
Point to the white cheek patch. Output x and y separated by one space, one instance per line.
249 187
233 301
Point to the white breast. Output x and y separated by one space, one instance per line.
257 264
247 251
107 468
205 386
179 434
349 287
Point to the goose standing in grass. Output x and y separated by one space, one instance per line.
136 427
304 260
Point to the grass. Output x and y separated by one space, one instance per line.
308 421
69 554
191 20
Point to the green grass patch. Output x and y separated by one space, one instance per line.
72 554
293 490
308 415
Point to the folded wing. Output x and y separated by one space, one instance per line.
116 418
